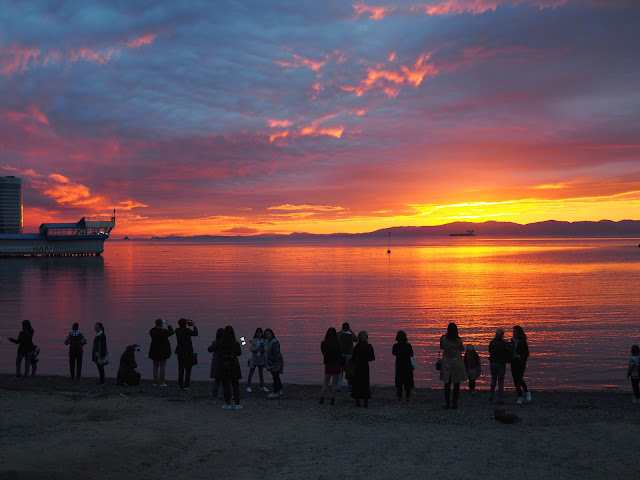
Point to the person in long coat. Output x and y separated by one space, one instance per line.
25 348
453 370
160 350
362 355
403 351
332 359
229 371
100 353
213 348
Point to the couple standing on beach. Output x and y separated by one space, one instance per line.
341 357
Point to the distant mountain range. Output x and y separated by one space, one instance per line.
550 228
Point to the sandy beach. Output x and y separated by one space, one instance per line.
53 428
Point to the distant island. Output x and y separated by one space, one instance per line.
550 228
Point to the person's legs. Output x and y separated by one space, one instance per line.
494 376
236 390
187 374
162 370
325 384
156 367
72 365
19 358
101 372
447 400
277 383
181 362
456 393
251 370
472 386
334 384
79 364
407 390
502 369
226 391
261 375
399 391
27 364
214 390
516 373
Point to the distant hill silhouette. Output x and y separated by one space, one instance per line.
550 228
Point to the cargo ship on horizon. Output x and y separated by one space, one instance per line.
468 233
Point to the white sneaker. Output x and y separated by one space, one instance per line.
528 396
265 389
238 407
281 392
162 385
249 389
273 395
227 407
635 400
519 401
155 384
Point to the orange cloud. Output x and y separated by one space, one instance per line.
275 136
475 7
374 13
279 123
299 61
314 208
140 41
390 80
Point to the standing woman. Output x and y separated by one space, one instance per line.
229 371
256 347
275 362
330 348
184 351
453 370
100 354
160 350
499 356
403 351
76 340
213 348
520 354
362 355
25 348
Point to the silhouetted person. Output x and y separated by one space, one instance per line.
403 351
100 354
76 340
127 374
184 351
25 348
362 355
452 370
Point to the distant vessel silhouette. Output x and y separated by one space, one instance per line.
126 237
389 245
468 233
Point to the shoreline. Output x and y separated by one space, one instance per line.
79 428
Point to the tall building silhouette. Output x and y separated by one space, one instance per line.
10 205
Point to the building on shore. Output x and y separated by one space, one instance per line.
10 205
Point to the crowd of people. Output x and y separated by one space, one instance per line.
345 354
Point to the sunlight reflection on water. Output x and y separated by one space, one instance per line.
577 300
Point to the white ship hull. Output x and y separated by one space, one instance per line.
18 245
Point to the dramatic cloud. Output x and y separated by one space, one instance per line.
239 118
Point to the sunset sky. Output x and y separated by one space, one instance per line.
242 117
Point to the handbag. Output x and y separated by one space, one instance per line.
194 358
439 362
414 362
103 360
272 367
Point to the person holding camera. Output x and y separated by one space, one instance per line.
160 350
184 351
257 359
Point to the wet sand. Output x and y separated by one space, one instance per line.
53 428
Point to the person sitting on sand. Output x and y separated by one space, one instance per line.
499 356
330 348
362 355
633 372
473 366
403 351
127 374
347 339
452 370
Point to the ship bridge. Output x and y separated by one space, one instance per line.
82 227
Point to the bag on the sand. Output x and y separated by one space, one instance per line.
505 416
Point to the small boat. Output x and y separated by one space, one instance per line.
126 237
468 233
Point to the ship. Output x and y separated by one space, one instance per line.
468 233
83 238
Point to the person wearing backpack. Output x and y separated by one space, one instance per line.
76 340
229 371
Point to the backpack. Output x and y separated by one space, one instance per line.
75 343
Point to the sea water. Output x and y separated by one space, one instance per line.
577 300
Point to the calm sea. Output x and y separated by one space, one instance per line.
577 299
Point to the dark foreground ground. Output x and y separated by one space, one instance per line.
53 428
